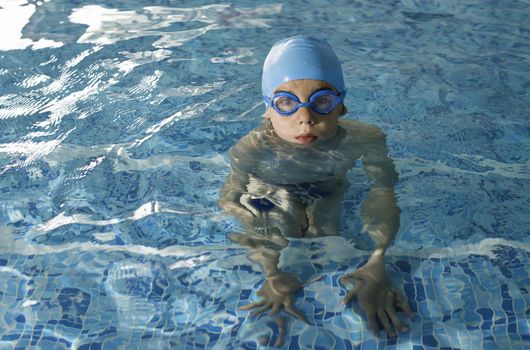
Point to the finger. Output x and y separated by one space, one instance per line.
279 342
352 293
386 323
354 276
373 324
391 312
235 237
402 303
275 309
262 309
281 322
290 309
252 305
282 330
346 278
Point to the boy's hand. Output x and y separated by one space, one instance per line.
377 296
236 209
277 292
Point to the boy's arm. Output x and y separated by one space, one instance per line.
380 215
265 246
278 289
230 197
379 211
242 161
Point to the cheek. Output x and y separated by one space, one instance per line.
279 124
282 127
329 127
268 113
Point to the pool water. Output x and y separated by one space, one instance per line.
115 120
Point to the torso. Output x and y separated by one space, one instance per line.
265 156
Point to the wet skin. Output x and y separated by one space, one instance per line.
305 126
372 287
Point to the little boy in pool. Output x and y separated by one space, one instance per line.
288 178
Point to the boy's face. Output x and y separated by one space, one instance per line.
305 126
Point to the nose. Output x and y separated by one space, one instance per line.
304 116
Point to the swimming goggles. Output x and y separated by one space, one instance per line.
321 101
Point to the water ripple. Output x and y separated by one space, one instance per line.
61 107
192 90
146 86
141 212
32 151
107 26
14 16
17 105
34 81
136 59
466 163
241 55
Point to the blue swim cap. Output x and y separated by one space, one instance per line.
301 57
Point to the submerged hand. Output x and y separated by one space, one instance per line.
377 296
235 208
277 293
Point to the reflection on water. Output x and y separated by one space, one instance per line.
14 16
137 291
107 26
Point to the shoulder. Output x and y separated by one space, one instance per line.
362 132
252 141
249 147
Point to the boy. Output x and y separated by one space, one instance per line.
288 178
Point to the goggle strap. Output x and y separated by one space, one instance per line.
267 100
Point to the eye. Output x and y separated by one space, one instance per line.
284 103
323 102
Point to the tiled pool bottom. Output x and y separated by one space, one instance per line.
111 297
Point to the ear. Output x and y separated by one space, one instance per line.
266 114
344 110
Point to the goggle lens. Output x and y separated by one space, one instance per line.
285 104
322 101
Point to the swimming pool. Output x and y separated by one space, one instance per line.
115 119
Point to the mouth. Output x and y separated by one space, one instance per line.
306 139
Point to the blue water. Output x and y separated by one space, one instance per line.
115 120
